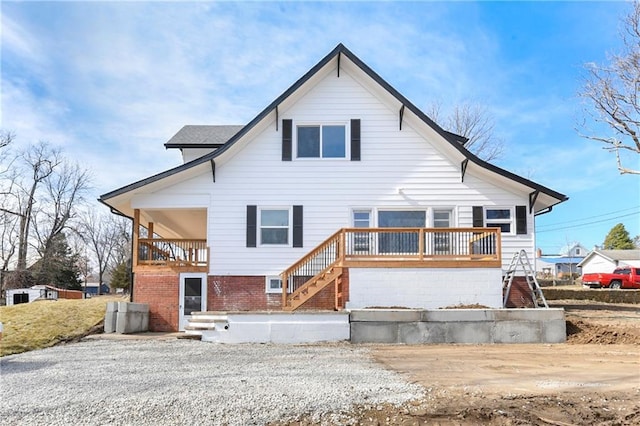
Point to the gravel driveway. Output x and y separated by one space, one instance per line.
173 381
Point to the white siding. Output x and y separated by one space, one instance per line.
329 189
598 264
424 288
189 154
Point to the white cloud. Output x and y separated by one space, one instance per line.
111 82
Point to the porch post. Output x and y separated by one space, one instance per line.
136 236
150 229
285 279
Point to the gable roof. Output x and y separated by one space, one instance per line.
202 136
566 249
339 51
614 255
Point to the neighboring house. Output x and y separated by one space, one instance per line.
561 265
39 292
608 260
300 208
574 249
91 288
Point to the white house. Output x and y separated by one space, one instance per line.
300 208
563 264
608 260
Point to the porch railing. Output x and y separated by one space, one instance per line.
173 252
396 247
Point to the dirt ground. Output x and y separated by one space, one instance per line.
593 379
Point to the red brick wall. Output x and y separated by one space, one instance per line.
240 293
161 292
224 293
247 293
520 294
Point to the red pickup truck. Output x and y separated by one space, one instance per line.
624 277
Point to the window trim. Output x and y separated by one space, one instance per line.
259 227
347 140
491 223
267 282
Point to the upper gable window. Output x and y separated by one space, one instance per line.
321 141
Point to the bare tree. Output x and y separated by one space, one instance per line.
6 138
108 237
38 197
611 94
63 191
8 243
36 164
474 122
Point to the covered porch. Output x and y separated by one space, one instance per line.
173 239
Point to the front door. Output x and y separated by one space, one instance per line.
193 296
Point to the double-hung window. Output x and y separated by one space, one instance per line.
442 240
361 240
274 226
499 217
321 141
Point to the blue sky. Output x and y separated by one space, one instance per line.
111 82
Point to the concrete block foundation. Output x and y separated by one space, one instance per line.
473 326
125 318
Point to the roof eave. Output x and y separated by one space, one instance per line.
340 49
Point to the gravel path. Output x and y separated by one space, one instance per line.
158 382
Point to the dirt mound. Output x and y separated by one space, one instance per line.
581 332
610 409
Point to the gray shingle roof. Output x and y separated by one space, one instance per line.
191 135
621 254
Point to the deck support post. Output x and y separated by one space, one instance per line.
284 278
136 237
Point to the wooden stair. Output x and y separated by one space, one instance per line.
312 287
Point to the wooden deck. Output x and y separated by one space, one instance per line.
387 248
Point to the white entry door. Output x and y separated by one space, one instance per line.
193 296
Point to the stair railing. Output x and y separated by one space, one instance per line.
329 252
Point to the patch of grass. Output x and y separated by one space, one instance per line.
44 323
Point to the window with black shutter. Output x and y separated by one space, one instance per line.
287 139
251 225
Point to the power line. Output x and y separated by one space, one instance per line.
591 217
586 224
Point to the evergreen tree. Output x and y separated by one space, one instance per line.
618 239
121 276
58 265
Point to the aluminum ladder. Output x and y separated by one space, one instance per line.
521 259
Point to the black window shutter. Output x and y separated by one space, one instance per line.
355 140
252 212
521 220
478 217
287 139
297 226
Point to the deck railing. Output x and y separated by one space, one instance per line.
173 252
422 243
396 248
